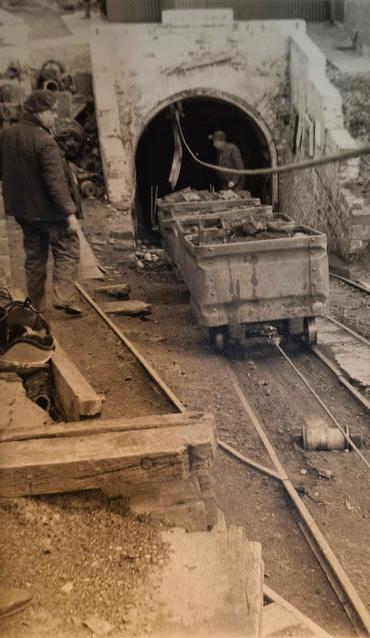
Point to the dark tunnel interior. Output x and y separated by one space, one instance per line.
202 116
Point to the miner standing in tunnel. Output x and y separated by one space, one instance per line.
40 192
228 156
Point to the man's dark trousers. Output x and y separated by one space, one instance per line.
38 236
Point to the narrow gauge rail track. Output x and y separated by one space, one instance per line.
343 380
351 282
333 570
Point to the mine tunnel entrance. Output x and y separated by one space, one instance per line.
201 117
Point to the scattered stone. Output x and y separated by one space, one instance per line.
98 626
349 506
303 472
46 546
140 263
133 308
326 474
67 588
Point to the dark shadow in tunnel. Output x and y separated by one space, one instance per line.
202 116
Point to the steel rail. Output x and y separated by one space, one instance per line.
351 282
333 570
322 404
340 582
347 329
145 364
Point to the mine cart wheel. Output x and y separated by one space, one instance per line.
219 342
310 330
217 339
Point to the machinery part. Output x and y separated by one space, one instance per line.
72 138
14 70
67 83
310 330
51 70
220 342
37 387
6 93
51 85
88 188
322 438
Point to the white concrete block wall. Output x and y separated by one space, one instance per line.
317 197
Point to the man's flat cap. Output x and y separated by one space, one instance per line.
39 101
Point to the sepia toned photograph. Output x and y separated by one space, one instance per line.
184 318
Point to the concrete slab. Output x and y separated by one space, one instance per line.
350 355
212 585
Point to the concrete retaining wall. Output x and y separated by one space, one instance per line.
318 197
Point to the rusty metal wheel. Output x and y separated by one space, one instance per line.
219 342
310 331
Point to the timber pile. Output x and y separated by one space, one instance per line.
162 464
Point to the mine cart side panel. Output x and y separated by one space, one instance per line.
257 281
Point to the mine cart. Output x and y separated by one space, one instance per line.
247 267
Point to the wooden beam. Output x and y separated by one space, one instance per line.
99 426
103 460
75 394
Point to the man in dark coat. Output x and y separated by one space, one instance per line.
39 191
228 156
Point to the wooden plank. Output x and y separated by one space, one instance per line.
99 426
120 291
300 618
89 265
211 587
132 308
43 466
75 394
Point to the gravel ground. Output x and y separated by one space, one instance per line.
178 349
84 558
